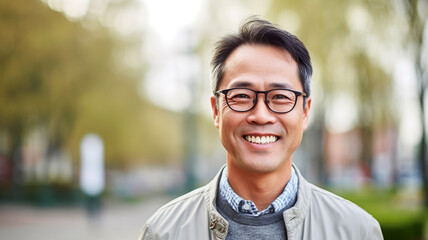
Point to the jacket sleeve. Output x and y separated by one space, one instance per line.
146 233
376 234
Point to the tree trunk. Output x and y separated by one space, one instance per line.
417 26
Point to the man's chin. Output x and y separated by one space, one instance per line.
262 168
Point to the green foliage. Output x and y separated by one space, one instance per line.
58 76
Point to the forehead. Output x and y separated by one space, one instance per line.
260 65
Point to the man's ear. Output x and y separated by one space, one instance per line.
306 112
215 111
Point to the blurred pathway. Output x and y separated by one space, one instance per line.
117 221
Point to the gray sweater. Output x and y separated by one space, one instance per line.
244 226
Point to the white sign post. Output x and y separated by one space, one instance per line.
92 176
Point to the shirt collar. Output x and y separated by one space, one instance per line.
284 201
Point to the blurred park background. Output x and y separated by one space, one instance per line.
135 74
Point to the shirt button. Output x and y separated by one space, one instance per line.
246 206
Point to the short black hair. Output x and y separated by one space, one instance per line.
259 31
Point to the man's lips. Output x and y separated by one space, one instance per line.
261 139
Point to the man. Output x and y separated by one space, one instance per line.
261 105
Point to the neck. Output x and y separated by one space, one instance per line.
262 188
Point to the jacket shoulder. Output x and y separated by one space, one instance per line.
182 202
185 212
343 215
336 204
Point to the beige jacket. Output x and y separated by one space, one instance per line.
317 215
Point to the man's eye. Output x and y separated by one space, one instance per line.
279 96
241 96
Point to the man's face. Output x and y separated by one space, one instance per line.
261 68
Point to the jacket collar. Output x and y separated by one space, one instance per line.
217 224
294 216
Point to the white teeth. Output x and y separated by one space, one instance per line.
261 140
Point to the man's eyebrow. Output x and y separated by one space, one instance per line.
241 84
280 85
249 85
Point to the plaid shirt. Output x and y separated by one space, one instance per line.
284 201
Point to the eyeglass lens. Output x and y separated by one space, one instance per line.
279 100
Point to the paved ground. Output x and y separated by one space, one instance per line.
117 221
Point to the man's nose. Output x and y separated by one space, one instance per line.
261 114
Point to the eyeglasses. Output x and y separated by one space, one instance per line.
245 99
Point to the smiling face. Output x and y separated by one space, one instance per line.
260 141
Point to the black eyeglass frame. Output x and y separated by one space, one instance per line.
297 93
